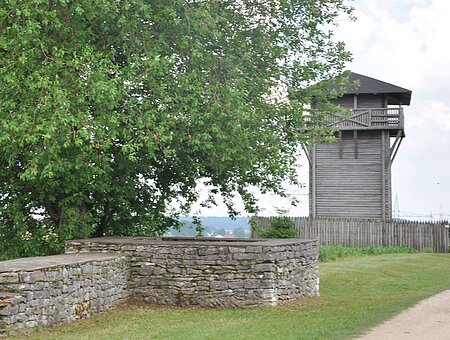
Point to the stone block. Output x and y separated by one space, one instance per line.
253 249
174 270
236 284
9 277
27 277
219 285
264 267
244 256
234 250
205 251
251 284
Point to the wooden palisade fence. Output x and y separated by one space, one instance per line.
369 232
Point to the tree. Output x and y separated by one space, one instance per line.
280 226
111 111
241 232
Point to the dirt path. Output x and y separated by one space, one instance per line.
429 319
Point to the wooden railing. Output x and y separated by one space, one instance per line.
367 119
369 232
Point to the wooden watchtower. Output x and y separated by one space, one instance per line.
352 176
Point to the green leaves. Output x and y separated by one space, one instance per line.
112 111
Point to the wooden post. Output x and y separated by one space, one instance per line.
355 142
383 176
389 179
313 181
401 118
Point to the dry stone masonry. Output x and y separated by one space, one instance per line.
97 274
207 272
52 290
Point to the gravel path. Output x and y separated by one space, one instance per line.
429 319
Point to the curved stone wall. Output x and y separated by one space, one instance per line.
207 272
97 274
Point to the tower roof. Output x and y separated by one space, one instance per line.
367 85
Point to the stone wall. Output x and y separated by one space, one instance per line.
207 272
52 290
97 274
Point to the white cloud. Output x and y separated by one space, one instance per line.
434 120
409 51
406 42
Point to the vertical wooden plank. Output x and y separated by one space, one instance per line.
388 185
446 238
437 238
391 234
358 234
435 248
411 236
414 237
406 227
313 181
383 175
313 229
403 235
422 237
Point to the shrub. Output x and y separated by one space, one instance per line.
280 227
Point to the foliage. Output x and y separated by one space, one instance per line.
20 243
111 112
355 295
241 232
281 226
331 253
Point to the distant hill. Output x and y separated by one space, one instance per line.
213 226
221 222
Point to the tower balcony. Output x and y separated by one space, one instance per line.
368 119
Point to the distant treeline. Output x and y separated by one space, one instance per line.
213 226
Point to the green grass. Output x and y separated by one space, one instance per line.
356 294
331 253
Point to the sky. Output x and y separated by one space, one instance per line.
405 43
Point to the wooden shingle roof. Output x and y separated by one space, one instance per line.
367 85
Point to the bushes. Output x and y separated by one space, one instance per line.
280 227
41 242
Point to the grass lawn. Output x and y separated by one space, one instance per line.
356 294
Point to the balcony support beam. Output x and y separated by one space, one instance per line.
305 150
396 145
